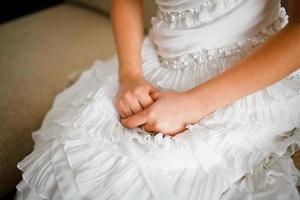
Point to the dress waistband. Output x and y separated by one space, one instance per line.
239 48
246 20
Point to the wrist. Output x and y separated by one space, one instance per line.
125 76
201 99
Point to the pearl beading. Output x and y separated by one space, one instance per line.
239 48
177 16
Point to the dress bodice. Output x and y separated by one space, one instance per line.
185 26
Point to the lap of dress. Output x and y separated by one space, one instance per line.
240 151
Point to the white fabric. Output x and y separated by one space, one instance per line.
240 151
245 18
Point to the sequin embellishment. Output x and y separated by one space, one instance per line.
239 48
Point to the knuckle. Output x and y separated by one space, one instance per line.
138 91
127 95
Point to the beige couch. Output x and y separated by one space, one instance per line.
40 55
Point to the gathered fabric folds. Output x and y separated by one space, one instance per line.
240 151
83 152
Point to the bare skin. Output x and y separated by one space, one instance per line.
271 62
134 91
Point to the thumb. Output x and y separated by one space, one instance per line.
152 88
135 120
155 94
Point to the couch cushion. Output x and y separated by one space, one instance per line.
40 55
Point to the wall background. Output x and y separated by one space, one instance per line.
13 9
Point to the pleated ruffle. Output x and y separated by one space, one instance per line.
38 180
89 169
83 152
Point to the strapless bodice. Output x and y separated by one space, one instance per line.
212 28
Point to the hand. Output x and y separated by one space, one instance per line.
169 114
133 96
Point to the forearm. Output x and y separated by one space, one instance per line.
127 19
271 62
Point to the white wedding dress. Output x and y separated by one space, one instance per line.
240 151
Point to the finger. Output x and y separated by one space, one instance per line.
145 101
119 110
135 106
151 128
155 95
122 115
125 109
135 120
152 88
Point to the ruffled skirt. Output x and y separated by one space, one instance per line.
240 151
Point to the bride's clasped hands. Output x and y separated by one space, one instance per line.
140 104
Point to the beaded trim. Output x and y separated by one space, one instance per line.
172 16
240 48
200 14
